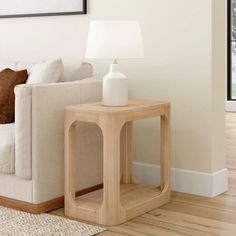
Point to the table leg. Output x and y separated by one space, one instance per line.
111 211
126 153
69 167
165 151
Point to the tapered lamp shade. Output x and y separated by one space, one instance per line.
114 40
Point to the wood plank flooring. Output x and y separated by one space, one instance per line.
230 140
188 214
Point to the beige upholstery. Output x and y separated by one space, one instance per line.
7 148
48 102
40 137
23 124
37 169
74 72
16 188
11 65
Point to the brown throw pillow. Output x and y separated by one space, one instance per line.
8 80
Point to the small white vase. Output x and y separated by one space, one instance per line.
115 88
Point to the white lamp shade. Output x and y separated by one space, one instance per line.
114 40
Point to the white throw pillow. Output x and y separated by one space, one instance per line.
47 72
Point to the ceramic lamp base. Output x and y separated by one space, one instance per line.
115 88
115 92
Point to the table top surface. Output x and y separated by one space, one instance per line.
134 105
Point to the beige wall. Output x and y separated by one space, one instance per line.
178 67
219 71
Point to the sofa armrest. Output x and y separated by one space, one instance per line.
39 122
48 103
23 131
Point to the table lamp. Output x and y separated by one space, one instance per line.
114 40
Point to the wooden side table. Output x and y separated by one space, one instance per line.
121 198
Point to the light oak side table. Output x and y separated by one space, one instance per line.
121 198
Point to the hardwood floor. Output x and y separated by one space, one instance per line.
230 140
188 214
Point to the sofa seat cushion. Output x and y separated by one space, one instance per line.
7 148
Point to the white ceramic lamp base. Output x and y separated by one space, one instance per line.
115 88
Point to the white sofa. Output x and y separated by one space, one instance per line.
32 148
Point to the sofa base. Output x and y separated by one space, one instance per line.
44 206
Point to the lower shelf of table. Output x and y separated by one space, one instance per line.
131 196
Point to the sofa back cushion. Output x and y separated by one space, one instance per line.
76 71
10 65
8 80
73 70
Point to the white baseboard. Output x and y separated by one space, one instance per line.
186 181
230 106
